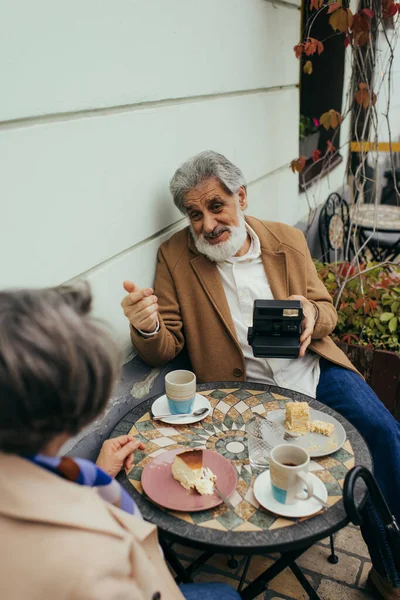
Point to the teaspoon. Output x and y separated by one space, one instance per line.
197 413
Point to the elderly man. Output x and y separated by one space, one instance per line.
208 276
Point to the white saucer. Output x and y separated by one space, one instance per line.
160 407
302 508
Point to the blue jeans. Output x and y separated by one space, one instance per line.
208 591
348 394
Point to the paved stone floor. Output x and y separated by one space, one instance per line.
344 581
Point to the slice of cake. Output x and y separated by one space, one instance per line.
205 485
321 427
297 416
188 469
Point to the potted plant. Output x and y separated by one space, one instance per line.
368 328
308 136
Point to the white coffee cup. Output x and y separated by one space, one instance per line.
289 467
180 389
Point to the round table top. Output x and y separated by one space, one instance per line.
382 216
247 527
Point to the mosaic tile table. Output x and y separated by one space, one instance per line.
247 528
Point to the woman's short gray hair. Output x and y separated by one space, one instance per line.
58 365
201 167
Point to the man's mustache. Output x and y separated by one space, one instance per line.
216 232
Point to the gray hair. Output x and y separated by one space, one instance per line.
58 365
203 166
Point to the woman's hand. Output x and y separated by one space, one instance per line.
117 453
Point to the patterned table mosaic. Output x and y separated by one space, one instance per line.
223 432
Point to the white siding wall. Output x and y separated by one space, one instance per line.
102 101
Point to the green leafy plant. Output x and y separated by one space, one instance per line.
369 304
307 126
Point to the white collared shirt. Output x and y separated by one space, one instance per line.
244 280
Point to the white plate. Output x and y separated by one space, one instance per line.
160 407
302 508
316 444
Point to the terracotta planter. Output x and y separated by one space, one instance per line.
309 144
381 370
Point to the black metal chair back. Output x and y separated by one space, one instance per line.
334 229
390 523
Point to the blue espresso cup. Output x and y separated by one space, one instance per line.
180 389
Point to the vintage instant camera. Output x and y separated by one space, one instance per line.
276 328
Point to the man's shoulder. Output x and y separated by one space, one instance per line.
176 247
274 233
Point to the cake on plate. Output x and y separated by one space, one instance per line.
321 427
188 469
297 416
298 420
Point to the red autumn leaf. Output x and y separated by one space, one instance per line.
346 269
316 155
298 50
341 20
311 46
346 41
362 38
317 4
298 164
389 8
364 97
392 9
386 282
330 148
359 303
334 6
332 118
367 11
360 23
349 338
370 307
308 68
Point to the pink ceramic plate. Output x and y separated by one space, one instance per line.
160 486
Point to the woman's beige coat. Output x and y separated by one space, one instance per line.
60 541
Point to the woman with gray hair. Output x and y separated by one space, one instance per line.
68 530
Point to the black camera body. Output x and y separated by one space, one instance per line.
276 328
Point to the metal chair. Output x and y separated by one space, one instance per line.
334 229
391 527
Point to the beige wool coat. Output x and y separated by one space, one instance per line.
193 308
60 541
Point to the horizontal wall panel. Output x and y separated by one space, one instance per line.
294 2
77 192
275 198
106 283
62 57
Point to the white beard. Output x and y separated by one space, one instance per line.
223 250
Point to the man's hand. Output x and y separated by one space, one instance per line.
309 316
117 453
140 307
